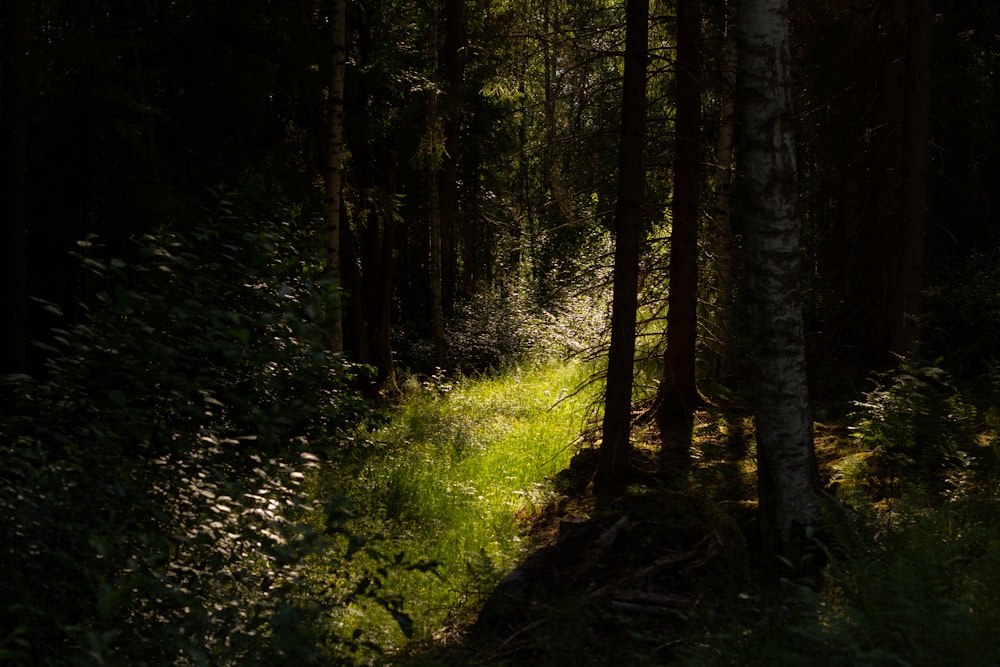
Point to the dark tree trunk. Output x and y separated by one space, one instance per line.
373 292
678 393
335 172
356 338
434 156
378 245
893 276
452 113
786 462
13 292
904 331
616 447
724 366
887 122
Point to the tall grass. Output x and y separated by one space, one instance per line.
453 477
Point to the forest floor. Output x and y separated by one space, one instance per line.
630 581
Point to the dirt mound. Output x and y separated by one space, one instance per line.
646 560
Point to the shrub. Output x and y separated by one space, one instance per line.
917 426
151 484
501 328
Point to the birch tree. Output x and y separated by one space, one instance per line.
786 462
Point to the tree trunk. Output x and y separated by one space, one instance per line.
335 173
614 457
786 463
893 272
13 292
887 122
434 156
380 268
452 112
555 180
352 302
905 328
678 393
722 246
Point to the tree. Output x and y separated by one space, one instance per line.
614 457
434 156
335 171
907 295
452 111
678 394
13 290
720 215
786 462
874 260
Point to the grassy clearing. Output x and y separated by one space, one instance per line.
452 478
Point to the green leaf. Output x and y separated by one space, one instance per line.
117 397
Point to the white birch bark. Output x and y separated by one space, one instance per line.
787 477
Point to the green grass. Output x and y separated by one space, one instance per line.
452 478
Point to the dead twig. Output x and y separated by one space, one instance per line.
685 562
603 544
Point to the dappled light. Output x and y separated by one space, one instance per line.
511 333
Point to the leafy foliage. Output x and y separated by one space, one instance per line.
911 554
152 484
918 597
501 329
917 426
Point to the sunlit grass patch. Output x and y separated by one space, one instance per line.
453 477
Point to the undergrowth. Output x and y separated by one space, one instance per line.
452 479
913 554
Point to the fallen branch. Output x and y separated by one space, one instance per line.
603 544
691 560
521 631
643 609
655 599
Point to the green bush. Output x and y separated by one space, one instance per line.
921 594
151 478
501 329
918 428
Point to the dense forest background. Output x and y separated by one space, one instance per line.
234 232
130 113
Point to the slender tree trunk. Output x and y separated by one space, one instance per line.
723 266
616 447
452 112
786 463
335 173
434 159
555 180
721 210
678 393
13 292
380 280
893 271
375 289
376 222
356 336
905 328
887 123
